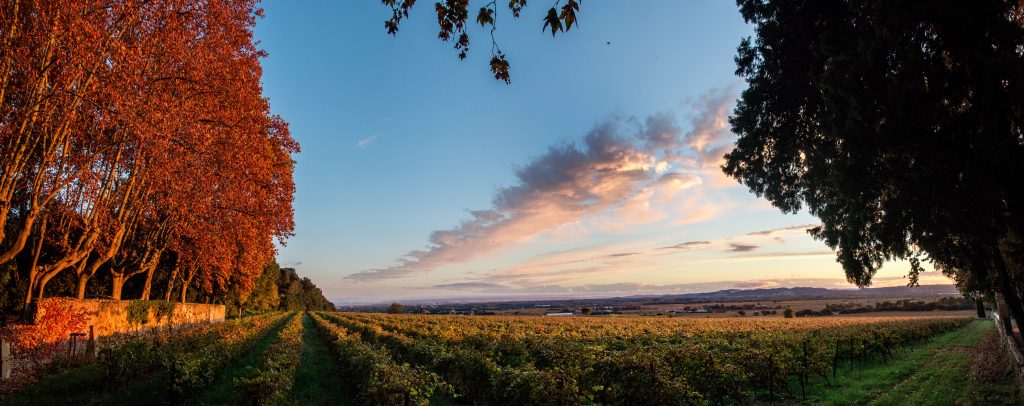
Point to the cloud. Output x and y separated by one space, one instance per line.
686 245
367 141
610 172
750 285
613 289
735 247
471 286
774 231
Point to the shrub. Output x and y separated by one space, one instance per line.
55 323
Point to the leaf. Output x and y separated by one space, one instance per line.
569 13
499 67
485 16
516 6
552 21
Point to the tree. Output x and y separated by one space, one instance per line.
134 138
453 21
396 308
788 313
585 311
297 294
898 124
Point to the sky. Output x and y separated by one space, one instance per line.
595 173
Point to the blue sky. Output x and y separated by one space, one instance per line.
421 176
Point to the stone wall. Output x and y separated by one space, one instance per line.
113 316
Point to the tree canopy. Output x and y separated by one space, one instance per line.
279 289
134 138
898 124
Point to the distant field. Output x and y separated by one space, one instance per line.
777 305
618 360
381 359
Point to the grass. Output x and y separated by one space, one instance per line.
939 371
317 380
85 386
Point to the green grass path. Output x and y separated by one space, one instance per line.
223 391
934 372
317 381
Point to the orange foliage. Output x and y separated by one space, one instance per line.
53 327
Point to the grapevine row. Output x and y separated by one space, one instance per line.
190 359
533 360
271 380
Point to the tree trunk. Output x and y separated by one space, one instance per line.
118 282
981 308
190 273
43 281
82 280
184 288
33 270
149 283
32 277
1010 294
170 282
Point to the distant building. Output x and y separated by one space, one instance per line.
559 314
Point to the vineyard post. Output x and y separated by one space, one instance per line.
803 371
5 359
852 354
835 360
91 348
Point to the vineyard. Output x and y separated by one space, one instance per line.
415 360
510 360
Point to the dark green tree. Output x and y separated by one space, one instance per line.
396 308
298 294
264 295
898 124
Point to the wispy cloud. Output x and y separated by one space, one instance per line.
471 286
367 141
774 231
634 288
736 247
610 171
686 245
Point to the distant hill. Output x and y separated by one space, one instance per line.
721 296
738 295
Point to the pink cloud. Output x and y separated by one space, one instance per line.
606 174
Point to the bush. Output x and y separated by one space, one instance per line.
54 325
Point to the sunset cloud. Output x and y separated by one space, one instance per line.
627 177
774 231
734 247
686 245
635 288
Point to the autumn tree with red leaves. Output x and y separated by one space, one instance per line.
134 139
